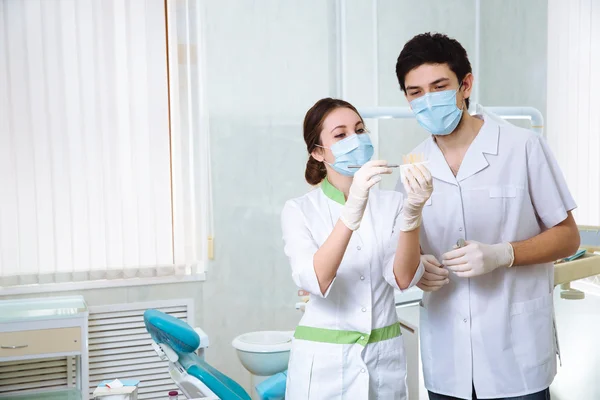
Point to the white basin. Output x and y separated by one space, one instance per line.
264 353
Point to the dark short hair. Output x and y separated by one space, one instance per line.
432 48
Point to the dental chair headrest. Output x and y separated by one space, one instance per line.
171 331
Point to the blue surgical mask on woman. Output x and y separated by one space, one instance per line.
437 111
356 149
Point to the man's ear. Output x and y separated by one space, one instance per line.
467 85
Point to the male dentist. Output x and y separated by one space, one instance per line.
487 316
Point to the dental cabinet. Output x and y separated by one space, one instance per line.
46 328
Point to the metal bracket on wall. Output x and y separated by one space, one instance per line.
211 248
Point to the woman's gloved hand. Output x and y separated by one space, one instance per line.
418 185
364 179
435 276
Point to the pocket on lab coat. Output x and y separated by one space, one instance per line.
326 376
532 331
299 375
499 192
425 343
392 375
499 204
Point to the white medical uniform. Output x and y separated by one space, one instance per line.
494 331
340 359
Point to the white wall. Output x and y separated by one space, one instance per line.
513 53
267 63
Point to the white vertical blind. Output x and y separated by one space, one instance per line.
192 208
574 100
85 162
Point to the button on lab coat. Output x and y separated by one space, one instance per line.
360 299
495 331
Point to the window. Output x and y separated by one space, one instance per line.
100 174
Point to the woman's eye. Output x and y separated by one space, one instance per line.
361 130
340 135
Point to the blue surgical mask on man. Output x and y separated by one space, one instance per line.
356 149
437 111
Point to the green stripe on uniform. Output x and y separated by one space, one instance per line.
334 336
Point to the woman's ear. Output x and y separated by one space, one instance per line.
317 154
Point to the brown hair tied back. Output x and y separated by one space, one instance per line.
315 171
313 125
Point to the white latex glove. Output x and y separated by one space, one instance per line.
418 185
435 275
478 259
364 179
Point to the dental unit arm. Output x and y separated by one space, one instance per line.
581 266
177 342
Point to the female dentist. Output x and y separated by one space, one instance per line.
350 247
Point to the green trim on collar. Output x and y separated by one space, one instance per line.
330 191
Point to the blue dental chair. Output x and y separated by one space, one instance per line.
176 341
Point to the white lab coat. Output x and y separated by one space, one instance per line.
360 299
495 331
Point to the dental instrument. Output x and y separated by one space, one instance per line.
575 256
385 166
410 159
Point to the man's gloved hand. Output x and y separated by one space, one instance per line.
478 259
418 185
